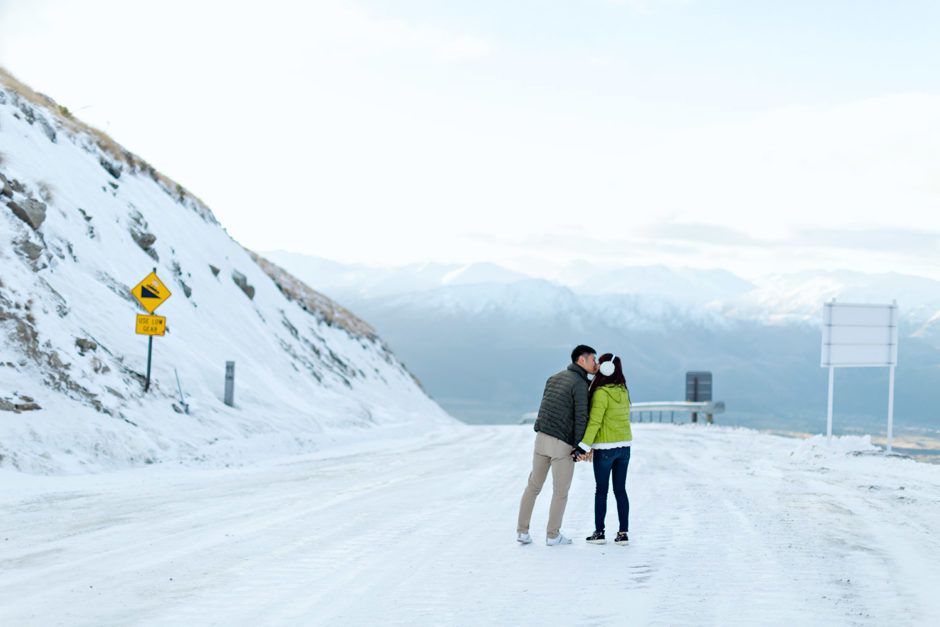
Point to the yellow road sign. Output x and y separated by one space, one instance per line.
151 292
151 325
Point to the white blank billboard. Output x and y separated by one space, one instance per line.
859 335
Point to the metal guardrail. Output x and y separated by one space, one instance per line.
709 408
638 410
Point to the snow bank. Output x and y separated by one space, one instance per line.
817 448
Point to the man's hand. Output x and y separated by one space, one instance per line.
576 454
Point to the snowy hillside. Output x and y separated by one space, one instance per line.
81 222
727 527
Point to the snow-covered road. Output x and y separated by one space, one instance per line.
728 526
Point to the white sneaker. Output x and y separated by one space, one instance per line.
559 539
523 538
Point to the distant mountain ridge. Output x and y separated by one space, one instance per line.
760 338
795 296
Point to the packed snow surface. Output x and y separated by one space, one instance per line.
728 527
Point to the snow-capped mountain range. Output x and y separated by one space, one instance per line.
82 221
791 297
483 338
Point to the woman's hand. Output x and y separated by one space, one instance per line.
579 455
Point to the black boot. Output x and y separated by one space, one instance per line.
596 538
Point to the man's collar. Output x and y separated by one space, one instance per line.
578 369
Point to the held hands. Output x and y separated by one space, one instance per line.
580 456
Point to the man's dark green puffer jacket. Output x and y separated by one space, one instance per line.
563 413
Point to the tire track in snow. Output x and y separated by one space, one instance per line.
317 568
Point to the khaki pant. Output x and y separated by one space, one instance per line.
551 453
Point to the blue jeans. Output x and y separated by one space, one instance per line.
606 461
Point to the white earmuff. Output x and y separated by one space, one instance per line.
607 368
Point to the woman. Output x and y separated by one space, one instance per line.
607 440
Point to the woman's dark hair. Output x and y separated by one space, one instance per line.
616 378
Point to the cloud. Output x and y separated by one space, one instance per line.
646 6
866 164
340 26
909 242
700 233
709 246
339 111
441 43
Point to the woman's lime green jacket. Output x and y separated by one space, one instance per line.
609 421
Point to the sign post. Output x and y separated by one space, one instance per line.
150 293
858 336
149 353
698 387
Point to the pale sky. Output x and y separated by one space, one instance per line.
754 136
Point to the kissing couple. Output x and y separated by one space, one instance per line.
581 419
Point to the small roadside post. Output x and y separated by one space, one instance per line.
150 293
230 383
184 404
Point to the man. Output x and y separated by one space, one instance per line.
562 420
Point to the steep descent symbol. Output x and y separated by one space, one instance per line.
151 292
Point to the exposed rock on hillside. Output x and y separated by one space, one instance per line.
313 301
30 211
